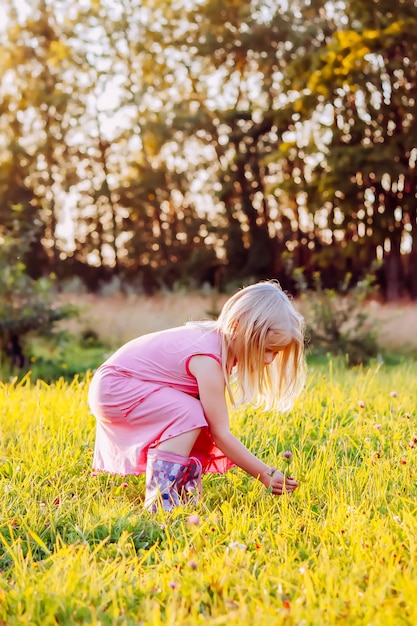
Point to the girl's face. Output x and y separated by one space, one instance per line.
269 356
266 354
273 346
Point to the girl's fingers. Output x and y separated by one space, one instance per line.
289 485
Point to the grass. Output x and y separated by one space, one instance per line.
79 549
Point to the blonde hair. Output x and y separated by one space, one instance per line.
256 319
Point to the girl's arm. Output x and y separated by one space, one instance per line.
211 387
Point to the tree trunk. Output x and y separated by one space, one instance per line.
412 274
393 272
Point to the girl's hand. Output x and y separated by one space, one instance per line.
211 385
277 483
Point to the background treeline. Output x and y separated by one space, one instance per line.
187 142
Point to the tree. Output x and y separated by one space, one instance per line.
364 80
251 134
39 114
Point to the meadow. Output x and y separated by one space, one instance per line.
78 548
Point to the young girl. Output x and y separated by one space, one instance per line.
160 400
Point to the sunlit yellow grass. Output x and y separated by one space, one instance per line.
78 549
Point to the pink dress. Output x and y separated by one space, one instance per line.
144 394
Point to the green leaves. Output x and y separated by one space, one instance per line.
247 117
26 305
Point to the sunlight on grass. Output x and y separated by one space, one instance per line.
79 549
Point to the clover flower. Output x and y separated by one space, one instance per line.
235 545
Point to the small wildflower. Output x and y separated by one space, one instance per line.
231 604
393 394
172 584
192 564
378 426
193 520
287 455
235 545
42 504
403 461
57 501
124 485
375 456
361 404
94 474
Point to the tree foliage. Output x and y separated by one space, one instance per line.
185 142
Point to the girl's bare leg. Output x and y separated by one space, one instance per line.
181 444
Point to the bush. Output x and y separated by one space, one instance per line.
336 322
27 306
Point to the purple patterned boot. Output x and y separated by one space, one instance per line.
190 488
165 472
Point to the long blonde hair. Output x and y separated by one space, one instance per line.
259 318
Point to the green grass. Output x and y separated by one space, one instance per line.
66 357
79 549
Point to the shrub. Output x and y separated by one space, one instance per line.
27 306
336 321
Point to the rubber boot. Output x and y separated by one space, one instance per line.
190 488
165 472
